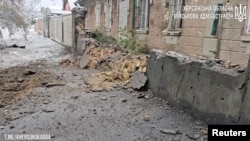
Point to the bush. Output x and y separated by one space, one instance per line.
103 38
129 43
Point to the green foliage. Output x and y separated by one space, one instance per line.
130 44
104 39
127 41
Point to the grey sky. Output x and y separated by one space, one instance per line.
57 4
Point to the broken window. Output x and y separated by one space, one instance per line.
144 14
175 9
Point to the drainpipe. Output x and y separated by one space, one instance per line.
216 20
133 14
214 30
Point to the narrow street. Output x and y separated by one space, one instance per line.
38 96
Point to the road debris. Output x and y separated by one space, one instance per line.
146 117
15 46
104 98
141 95
84 61
124 100
117 68
54 84
74 97
138 80
49 110
169 131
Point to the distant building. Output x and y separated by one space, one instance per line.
66 6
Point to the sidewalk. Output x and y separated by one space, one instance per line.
37 48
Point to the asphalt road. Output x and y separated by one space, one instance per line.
42 97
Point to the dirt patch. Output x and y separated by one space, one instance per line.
14 82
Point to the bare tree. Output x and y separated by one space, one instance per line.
11 15
15 14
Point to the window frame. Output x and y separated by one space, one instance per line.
144 17
176 29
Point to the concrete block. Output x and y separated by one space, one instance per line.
218 96
172 77
84 61
245 107
154 72
213 95
139 80
187 88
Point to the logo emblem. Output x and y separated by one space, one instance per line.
240 12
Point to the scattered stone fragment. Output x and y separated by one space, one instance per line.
54 84
169 131
113 95
84 61
141 96
138 80
146 118
74 97
49 110
104 98
12 126
46 102
94 111
193 136
29 72
204 132
2 127
124 100
240 70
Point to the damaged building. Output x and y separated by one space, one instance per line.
157 25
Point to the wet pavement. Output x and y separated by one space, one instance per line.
61 105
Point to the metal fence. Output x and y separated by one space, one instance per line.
61 29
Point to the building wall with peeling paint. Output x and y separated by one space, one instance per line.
229 44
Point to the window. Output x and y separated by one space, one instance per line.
174 24
175 8
144 14
97 14
108 15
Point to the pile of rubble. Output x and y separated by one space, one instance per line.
117 67
120 75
